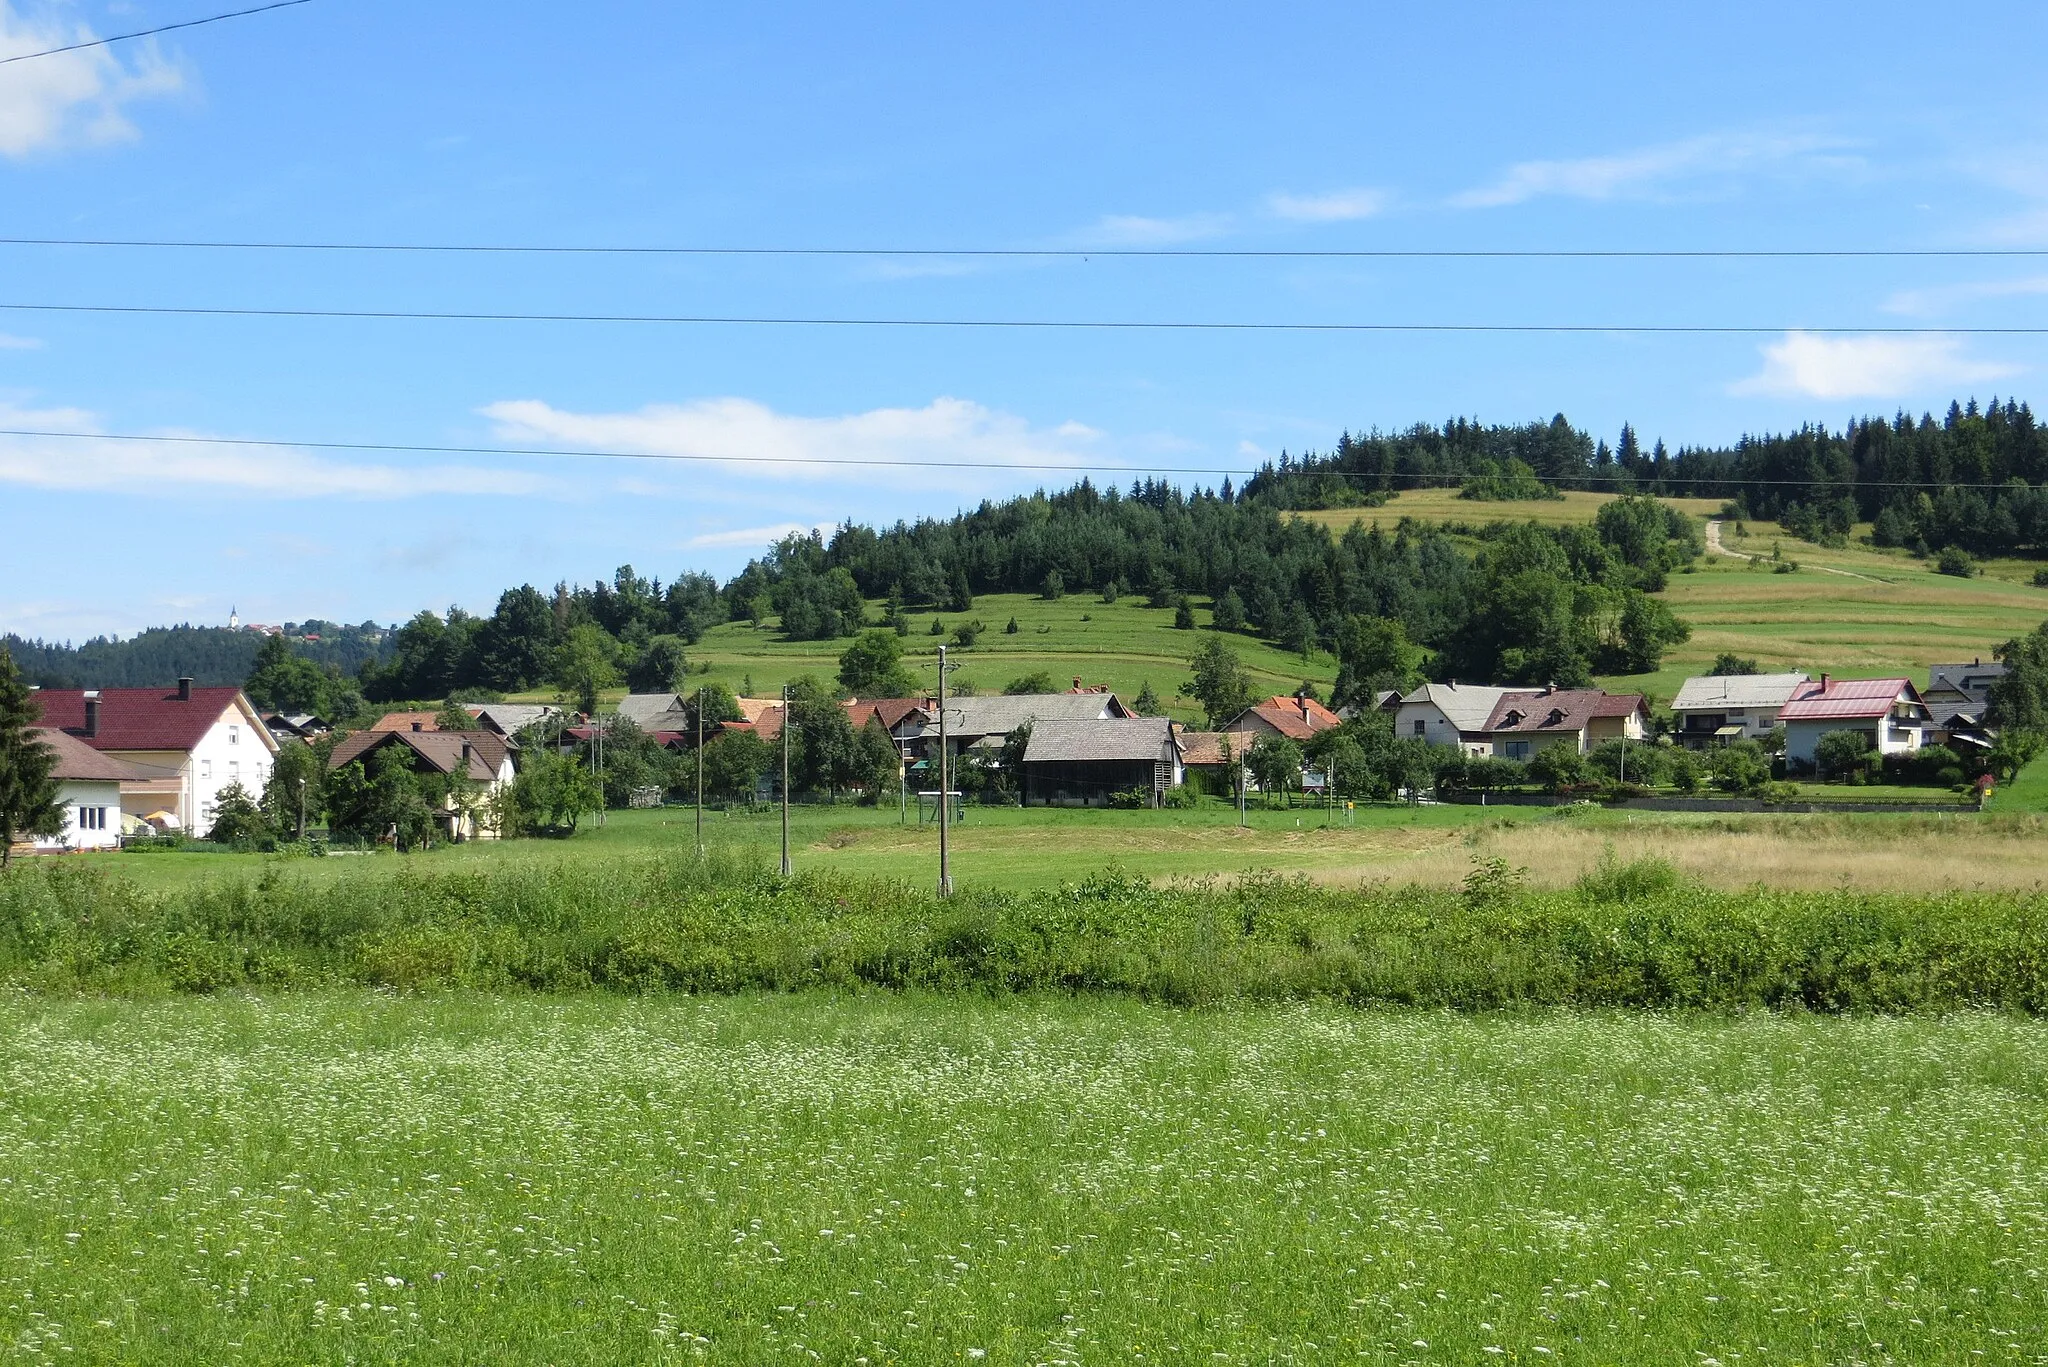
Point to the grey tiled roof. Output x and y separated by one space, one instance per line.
1121 738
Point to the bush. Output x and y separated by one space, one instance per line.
1640 879
1956 561
1180 797
1131 799
1840 754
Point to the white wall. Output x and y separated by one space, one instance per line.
1802 738
237 748
1436 727
74 793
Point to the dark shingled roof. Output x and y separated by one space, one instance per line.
442 750
1108 738
142 718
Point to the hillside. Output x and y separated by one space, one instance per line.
1440 506
1123 644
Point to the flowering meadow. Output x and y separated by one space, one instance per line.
346 1175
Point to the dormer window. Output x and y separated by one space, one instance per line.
1514 718
1556 716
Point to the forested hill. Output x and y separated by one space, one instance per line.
210 656
1972 478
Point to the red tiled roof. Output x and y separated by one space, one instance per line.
406 721
141 718
74 759
1574 707
1203 747
442 750
1294 718
1847 699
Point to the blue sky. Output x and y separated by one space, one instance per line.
1310 127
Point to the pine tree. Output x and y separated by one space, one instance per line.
28 795
1147 702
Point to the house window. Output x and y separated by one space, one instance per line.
1518 749
234 735
92 818
234 771
206 768
1420 726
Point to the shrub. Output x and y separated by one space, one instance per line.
1954 560
1180 797
2041 579
1640 879
1131 799
1839 754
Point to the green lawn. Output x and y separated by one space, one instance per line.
993 846
360 1177
1444 505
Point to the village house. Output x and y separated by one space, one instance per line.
407 721
186 744
1715 710
296 726
1526 720
89 791
1085 762
1513 723
984 723
1888 712
1448 714
1296 718
1211 755
508 719
1958 697
482 755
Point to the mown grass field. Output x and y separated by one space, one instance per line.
354 1177
1123 644
1444 505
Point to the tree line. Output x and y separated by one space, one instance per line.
1972 479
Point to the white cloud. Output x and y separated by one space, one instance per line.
1803 365
1648 170
1941 298
1336 207
152 468
755 536
70 98
753 438
1131 230
12 343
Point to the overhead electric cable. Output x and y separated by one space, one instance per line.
867 462
147 32
1068 253
1028 324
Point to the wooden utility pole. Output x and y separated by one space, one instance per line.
700 771
785 780
945 793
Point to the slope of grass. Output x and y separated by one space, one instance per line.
359 1177
1123 644
1444 505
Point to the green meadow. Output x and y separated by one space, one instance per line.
351 1177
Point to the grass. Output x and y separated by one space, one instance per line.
350 1177
1123 644
1007 848
1895 615
1444 505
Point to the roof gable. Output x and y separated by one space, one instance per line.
1849 699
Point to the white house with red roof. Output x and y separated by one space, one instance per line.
1888 712
1297 718
186 744
89 791
1513 723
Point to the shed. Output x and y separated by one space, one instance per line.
1081 763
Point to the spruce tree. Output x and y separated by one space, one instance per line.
28 795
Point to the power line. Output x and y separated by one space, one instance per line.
147 32
1046 253
1016 324
869 462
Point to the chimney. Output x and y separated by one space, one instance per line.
92 713
1077 683
185 688
1823 681
1304 709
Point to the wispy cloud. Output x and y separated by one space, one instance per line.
1132 230
1938 299
70 98
745 437
12 343
1802 365
1651 171
153 468
1337 206
754 536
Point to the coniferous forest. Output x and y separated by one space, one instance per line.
1528 604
